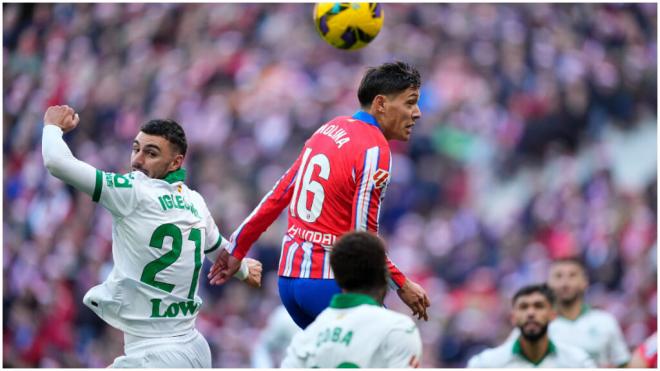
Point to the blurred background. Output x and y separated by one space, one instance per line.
538 139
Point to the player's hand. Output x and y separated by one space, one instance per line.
62 116
224 268
415 297
254 277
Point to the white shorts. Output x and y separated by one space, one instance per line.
186 351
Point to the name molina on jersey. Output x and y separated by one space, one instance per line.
334 132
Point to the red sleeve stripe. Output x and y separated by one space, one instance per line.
365 188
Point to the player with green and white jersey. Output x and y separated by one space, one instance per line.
161 232
531 313
595 331
355 330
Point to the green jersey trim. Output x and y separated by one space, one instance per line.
176 176
517 349
98 186
343 301
215 246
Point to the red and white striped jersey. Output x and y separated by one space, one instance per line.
336 185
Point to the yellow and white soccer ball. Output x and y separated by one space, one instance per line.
348 26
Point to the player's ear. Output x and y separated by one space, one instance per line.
378 104
176 163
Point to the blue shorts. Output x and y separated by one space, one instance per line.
305 298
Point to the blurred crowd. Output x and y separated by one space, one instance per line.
537 140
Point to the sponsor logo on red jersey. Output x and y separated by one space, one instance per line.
380 178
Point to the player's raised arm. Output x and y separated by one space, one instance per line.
57 156
270 207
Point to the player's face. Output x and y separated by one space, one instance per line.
568 282
154 156
531 314
400 113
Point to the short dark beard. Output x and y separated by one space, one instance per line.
533 338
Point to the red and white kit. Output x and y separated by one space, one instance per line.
336 185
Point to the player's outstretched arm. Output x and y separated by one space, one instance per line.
57 156
415 297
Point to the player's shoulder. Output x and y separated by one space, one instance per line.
396 322
492 357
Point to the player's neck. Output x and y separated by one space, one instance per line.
535 351
571 310
379 119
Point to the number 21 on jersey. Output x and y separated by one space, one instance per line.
305 185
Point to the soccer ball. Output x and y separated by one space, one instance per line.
348 26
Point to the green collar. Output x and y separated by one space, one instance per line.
517 349
343 301
176 176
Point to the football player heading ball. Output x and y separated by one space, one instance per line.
336 185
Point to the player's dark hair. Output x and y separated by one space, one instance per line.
542 288
571 260
358 262
168 129
386 79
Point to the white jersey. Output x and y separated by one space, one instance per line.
510 355
354 331
595 331
161 232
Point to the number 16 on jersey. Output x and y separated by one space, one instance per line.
305 184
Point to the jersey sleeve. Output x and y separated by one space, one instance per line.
403 347
618 353
264 214
61 163
214 241
115 192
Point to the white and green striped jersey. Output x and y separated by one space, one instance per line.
161 231
596 332
510 355
354 331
